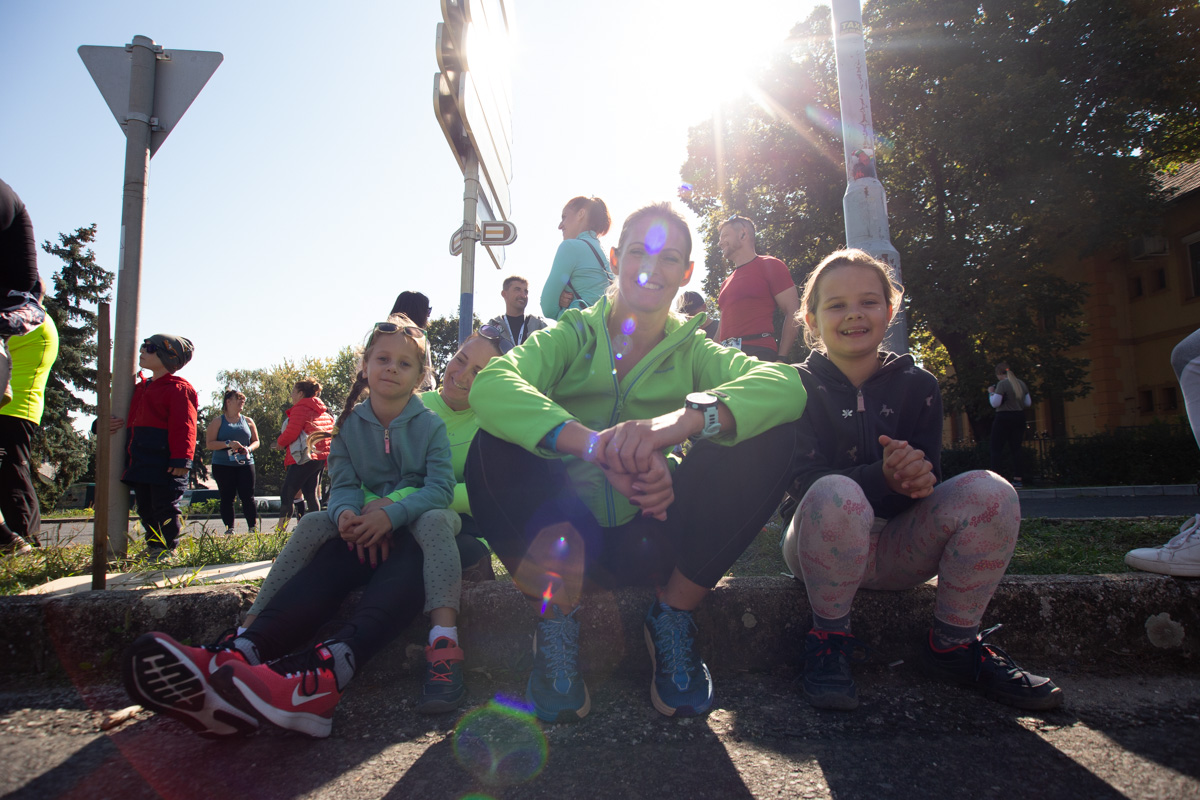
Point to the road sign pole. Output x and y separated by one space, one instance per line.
133 207
466 310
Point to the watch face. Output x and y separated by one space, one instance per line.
701 398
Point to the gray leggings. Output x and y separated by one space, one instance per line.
434 531
1185 360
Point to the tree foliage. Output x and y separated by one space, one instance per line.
1013 135
268 397
77 286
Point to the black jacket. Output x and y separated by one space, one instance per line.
839 432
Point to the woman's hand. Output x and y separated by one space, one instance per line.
906 469
566 298
115 424
652 491
629 447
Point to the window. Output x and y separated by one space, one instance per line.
1170 399
1146 401
1135 286
1192 246
1159 279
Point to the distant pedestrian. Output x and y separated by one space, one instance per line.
1181 555
161 440
233 437
20 309
304 460
749 296
692 303
1009 395
580 274
33 354
872 511
514 325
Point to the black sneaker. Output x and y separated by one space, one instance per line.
827 680
988 669
444 689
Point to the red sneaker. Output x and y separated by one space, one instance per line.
297 692
173 679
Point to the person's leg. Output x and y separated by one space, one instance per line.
1016 435
246 478
144 497
18 499
310 535
311 476
1185 360
996 444
164 499
227 484
828 545
287 494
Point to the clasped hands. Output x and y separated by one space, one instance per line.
369 532
906 469
630 453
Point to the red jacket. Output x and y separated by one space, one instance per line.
308 416
162 429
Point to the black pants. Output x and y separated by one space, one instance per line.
760 352
18 499
237 480
300 478
158 509
723 497
1008 430
393 596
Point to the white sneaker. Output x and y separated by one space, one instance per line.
1179 557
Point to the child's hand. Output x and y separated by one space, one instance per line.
346 522
371 529
115 424
906 469
378 502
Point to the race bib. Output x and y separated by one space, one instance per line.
735 343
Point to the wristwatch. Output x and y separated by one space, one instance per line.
706 404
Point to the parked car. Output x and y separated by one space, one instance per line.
83 495
268 503
202 495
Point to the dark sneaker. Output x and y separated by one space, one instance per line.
828 657
444 689
681 685
173 679
556 689
297 692
988 669
17 547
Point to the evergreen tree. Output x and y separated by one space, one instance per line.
77 287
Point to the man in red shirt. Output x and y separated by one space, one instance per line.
749 296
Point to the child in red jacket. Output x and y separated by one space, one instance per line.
162 439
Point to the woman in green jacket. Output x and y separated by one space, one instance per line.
570 478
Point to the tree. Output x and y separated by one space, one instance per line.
268 397
1014 134
77 287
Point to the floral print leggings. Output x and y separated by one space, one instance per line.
964 533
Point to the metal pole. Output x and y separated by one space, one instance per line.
103 445
470 235
864 204
133 206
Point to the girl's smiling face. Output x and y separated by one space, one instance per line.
852 312
394 366
651 265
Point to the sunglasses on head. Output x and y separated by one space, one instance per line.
492 333
391 327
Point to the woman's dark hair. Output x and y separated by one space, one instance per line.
228 394
308 387
415 306
598 219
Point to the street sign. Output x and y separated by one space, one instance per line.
492 233
179 75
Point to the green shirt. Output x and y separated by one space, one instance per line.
32 354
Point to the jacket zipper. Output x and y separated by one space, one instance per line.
387 441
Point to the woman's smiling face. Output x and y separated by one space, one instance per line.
651 265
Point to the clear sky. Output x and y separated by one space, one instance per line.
309 183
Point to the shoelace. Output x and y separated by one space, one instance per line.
306 666
834 644
989 654
677 627
1186 531
559 640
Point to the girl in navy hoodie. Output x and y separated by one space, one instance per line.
873 511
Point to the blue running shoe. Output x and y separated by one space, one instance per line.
681 686
556 689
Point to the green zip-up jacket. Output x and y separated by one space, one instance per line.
568 373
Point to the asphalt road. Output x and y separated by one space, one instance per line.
1129 736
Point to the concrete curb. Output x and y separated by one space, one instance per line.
1112 622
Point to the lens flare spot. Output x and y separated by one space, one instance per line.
553 579
656 237
617 356
642 278
628 326
500 745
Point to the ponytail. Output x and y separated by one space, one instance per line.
1015 382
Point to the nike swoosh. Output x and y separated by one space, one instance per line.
298 701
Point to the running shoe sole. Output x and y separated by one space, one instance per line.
161 677
441 705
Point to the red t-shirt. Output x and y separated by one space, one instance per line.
747 301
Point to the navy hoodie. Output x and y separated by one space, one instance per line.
839 432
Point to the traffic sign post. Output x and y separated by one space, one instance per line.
473 105
147 99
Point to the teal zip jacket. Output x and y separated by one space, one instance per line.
581 262
413 451
567 373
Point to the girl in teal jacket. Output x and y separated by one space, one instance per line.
569 474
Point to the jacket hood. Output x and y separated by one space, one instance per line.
315 403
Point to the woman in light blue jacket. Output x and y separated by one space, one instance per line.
580 275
